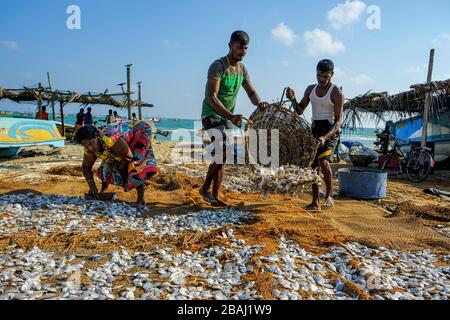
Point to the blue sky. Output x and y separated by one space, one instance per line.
172 43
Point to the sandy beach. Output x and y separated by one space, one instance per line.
265 247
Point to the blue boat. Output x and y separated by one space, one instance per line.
438 133
16 133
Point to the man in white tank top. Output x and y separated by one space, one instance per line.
328 108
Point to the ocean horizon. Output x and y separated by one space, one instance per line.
365 136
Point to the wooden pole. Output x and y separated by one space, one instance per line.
40 100
61 109
140 100
129 90
428 100
50 88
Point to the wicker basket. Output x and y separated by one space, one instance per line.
297 144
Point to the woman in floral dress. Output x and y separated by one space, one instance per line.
126 153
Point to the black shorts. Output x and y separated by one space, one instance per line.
319 129
218 124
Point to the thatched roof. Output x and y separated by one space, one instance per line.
32 95
375 105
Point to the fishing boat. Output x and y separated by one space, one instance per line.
17 133
438 137
68 130
152 120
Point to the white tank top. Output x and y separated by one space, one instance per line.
322 108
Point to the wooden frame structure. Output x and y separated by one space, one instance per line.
42 94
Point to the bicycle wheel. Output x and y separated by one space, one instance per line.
419 166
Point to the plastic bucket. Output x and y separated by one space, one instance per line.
362 184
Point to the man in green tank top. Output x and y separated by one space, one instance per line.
225 77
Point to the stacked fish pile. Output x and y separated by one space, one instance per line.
285 180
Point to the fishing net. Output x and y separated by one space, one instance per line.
297 145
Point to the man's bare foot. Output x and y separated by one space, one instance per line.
207 196
220 203
313 207
140 204
329 202
104 187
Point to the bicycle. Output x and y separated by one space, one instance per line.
417 165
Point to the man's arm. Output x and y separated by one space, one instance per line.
338 99
251 91
88 164
253 95
301 106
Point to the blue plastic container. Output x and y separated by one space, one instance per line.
362 184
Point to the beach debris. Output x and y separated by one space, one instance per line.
66 170
362 156
428 212
285 180
170 180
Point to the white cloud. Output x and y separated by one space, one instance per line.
284 34
447 76
442 39
11 45
338 72
346 13
319 42
362 79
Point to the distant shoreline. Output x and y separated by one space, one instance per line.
365 136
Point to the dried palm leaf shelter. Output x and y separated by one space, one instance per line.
408 103
296 144
41 94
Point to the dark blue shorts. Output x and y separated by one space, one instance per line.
217 124
319 129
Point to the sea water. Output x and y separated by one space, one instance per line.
365 136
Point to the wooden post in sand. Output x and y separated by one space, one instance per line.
50 88
39 100
428 100
140 100
129 90
61 109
